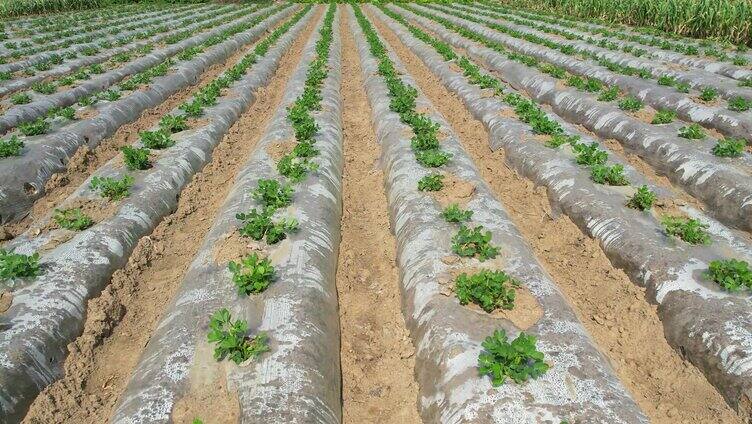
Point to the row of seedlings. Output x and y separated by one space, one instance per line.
62 69
737 67
683 261
269 260
732 120
700 173
75 250
660 69
46 101
86 44
654 37
43 155
488 362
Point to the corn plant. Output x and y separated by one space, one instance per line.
72 219
252 274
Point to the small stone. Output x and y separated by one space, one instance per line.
6 299
449 260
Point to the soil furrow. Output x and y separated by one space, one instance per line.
376 352
612 309
121 320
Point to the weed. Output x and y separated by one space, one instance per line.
688 229
490 290
252 274
474 242
72 219
518 360
232 340
642 199
453 213
16 265
112 188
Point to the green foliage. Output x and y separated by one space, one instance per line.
558 140
488 289
16 265
453 213
609 94
257 224
72 219
739 104
173 123
729 147
682 87
610 175
474 242
667 80
272 194
252 274
232 340
136 159
692 132
589 154
20 99
44 87
643 199
518 360
688 229
664 117
731 274
630 104
159 139
112 188
432 158
10 147
431 182
36 127
708 94
295 168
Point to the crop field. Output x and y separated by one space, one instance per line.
432 212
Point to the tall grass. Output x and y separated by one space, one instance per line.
11 8
727 20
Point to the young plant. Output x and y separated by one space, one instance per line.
643 199
136 159
433 158
692 132
708 94
36 127
232 340
72 219
729 148
44 87
667 80
630 104
609 175
252 274
272 194
431 182
690 230
739 104
295 168
453 213
173 123
20 99
257 224
558 140
518 360
682 87
609 94
731 274
490 290
10 147
16 265
474 242
112 188
664 117
156 139
589 154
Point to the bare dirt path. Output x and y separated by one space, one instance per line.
614 311
377 354
120 321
